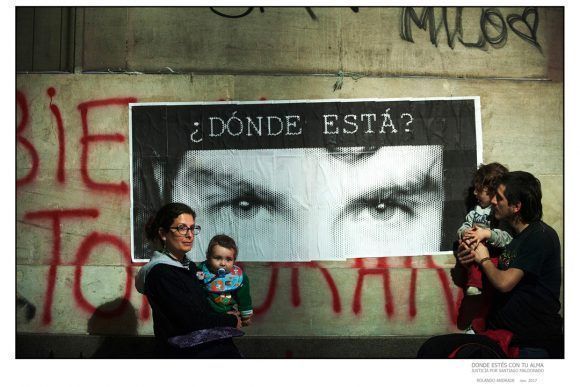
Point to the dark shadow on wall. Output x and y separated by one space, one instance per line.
25 310
116 323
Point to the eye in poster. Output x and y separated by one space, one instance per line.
308 180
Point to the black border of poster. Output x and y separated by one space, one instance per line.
160 133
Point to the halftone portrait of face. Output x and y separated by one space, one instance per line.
313 203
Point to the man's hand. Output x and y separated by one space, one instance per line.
465 253
468 254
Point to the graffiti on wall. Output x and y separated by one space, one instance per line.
493 26
382 268
58 223
56 219
86 140
249 10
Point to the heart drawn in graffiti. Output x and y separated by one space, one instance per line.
515 22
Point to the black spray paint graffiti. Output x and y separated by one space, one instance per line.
235 16
250 9
493 26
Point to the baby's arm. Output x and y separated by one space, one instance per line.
495 237
467 225
244 301
499 238
246 319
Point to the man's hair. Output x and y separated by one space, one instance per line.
164 218
525 188
487 176
223 241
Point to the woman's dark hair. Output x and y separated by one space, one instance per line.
164 218
223 241
525 188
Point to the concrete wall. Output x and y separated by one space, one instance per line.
74 272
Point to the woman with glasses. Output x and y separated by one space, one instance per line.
180 307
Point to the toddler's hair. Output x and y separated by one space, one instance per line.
487 176
223 241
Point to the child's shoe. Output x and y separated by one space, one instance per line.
472 291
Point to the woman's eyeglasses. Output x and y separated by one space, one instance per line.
182 229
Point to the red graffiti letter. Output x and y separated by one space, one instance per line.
452 306
381 269
145 311
56 216
87 138
412 287
271 292
295 287
82 257
60 130
23 105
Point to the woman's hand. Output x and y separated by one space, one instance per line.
237 314
247 321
